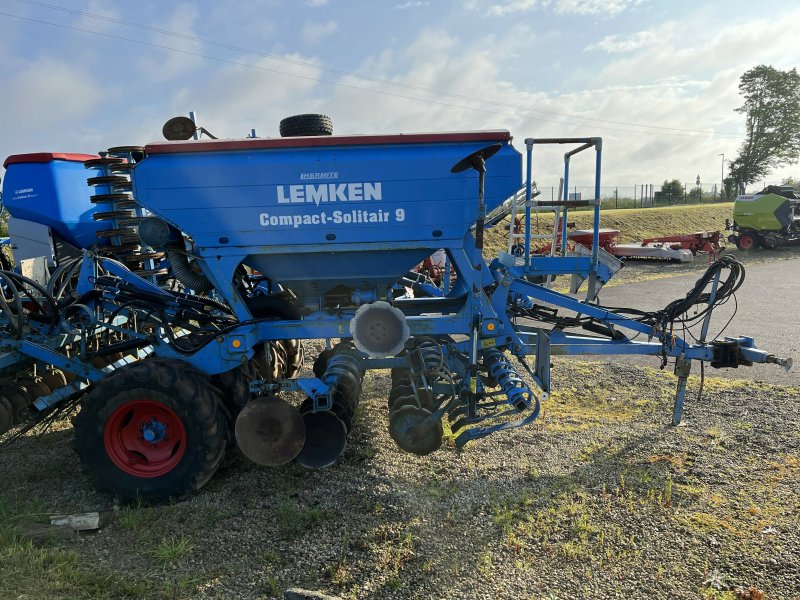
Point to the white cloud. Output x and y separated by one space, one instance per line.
617 44
101 9
687 79
594 7
576 7
411 4
687 47
512 6
437 59
313 33
316 3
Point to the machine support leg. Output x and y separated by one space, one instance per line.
542 364
472 392
682 368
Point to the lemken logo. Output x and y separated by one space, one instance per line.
329 192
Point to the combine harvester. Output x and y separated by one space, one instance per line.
179 292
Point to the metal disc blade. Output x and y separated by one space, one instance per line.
270 431
410 427
326 439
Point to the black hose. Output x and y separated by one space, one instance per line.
179 261
15 318
53 317
62 276
696 296
663 318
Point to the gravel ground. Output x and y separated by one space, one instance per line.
599 499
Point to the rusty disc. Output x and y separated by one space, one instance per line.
270 431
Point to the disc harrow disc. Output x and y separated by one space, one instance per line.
413 432
326 439
270 431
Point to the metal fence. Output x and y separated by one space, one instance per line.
647 195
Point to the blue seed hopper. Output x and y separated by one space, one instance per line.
323 213
51 189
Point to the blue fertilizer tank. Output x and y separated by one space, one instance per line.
51 189
316 213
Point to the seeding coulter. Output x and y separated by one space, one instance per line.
181 279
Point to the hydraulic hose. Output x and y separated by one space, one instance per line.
179 261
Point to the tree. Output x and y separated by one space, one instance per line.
792 181
672 190
728 191
772 122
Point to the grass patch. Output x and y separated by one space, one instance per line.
295 520
574 526
28 571
171 550
633 224
441 490
705 522
132 517
392 551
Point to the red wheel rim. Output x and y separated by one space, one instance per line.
145 438
746 242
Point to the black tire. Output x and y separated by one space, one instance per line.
174 386
235 387
306 125
295 354
290 353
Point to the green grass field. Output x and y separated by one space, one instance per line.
633 224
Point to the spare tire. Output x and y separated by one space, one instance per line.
306 125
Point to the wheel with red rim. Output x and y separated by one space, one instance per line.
153 430
746 242
145 438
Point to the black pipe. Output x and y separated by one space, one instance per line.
179 262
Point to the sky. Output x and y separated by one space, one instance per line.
656 79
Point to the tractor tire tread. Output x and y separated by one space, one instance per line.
306 125
295 354
185 390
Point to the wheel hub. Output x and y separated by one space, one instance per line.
154 431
